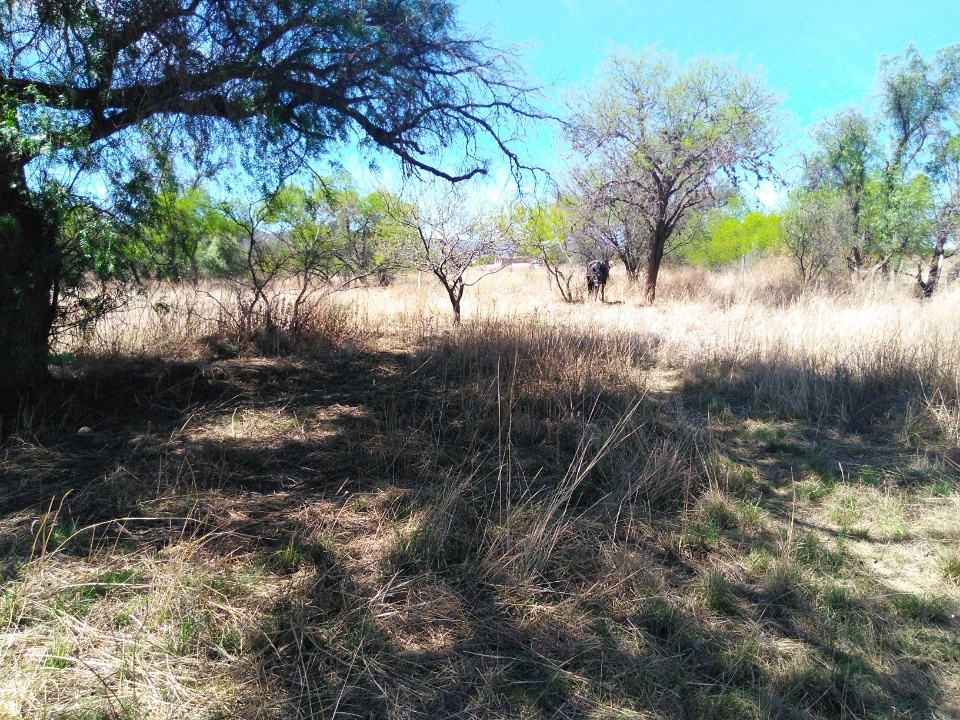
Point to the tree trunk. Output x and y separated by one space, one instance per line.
454 292
631 264
936 265
855 262
658 242
29 271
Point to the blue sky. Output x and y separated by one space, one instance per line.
819 56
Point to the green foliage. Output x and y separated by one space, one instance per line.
897 216
817 226
191 236
333 230
169 226
323 230
893 170
663 145
924 608
59 654
545 233
846 154
544 230
727 236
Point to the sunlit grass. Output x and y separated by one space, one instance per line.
739 502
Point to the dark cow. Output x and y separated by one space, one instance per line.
598 271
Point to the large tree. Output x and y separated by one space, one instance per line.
845 158
80 80
893 169
662 143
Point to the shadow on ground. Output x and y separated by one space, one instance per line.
401 492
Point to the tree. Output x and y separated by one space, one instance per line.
450 232
662 144
846 157
603 221
298 239
545 230
947 219
289 79
920 104
730 233
169 226
891 168
368 241
816 226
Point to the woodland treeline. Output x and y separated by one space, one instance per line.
181 140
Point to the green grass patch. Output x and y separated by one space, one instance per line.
815 487
716 594
813 553
721 703
189 632
924 608
297 553
79 599
782 584
776 439
719 518
59 655
943 488
71 538
757 560
949 564
869 476
926 647
846 512
892 521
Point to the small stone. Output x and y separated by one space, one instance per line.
84 431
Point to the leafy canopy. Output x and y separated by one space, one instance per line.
662 144
728 235
293 76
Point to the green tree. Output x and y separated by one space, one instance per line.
663 144
96 263
891 168
727 235
371 242
816 227
219 252
846 157
178 231
546 234
335 232
896 218
288 80
947 219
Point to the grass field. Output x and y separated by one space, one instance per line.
742 502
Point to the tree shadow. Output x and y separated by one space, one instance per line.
393 477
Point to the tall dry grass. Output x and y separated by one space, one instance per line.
552 510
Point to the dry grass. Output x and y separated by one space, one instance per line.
740 502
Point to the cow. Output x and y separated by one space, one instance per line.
598 271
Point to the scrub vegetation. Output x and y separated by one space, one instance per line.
278 442
741 502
